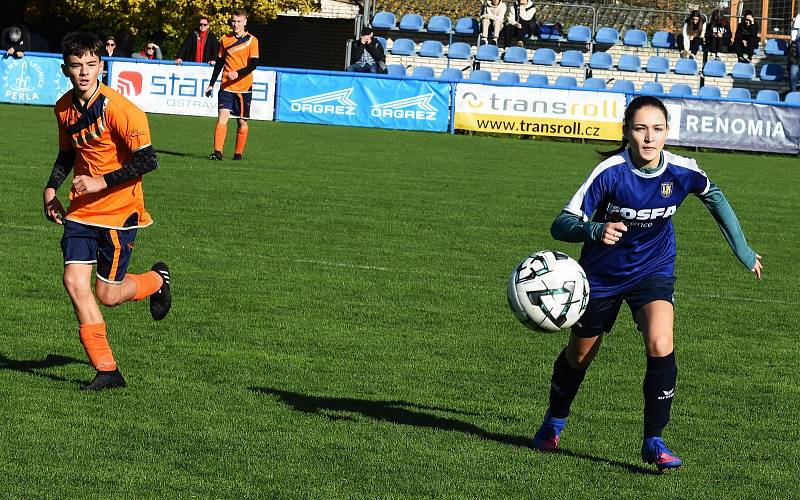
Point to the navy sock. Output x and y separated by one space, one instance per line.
659 390
564 386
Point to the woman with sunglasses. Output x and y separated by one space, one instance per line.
150 51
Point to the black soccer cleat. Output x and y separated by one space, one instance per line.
161 301
216 155
237 156
106 380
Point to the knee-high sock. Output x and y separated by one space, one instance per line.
241 139
95 341
146 284
220 131
564 386
659 390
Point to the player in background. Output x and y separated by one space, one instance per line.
629 254
238 56
106 139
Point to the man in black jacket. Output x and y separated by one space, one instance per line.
15 41
367 54
200 46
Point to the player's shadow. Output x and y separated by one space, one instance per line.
173 153
33 367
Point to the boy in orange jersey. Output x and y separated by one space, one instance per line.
106 139
238 55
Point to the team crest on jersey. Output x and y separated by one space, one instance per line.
666 189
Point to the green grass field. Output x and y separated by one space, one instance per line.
340 328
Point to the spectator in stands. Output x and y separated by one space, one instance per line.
793 63
746 39
493 15
150 51
693 35
367 54
200 45
14 41
520 22
109 51
796 27
718 34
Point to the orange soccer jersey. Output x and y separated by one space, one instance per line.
104 134
237 53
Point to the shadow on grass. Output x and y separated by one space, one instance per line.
31 366
173 153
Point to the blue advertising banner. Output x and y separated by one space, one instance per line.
364 102
32 80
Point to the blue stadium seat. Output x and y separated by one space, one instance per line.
663 40
516 55
508 77
480 75
739 93
383 43
431 48
549 31
572 59
396 70
467 26
792 98
488 53
569 82
768 95
771 72
439 24
715 68
402 47
710 92
579 34
422 72
451 75
680 90
594 83
635 38
629 62
649 88
686 67
384 20
775 47
459 50
607 36
544 57
601 60
623 86
657 64
411 22
743 71
537 80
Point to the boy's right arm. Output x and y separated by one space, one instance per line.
53 210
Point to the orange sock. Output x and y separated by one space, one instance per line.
241 139
94 340
219 136
146 284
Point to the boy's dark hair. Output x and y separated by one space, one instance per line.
81 43
239 12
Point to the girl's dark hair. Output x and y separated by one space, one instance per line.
716 18
79 44
643 101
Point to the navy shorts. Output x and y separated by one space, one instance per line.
110 249
237 102
601 313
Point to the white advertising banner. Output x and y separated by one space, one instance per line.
179 90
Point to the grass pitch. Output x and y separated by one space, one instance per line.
340 328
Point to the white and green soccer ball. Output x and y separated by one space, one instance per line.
548 291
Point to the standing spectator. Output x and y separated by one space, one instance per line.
746 39
694 32
200 45
15 40
718 34
493 14
108 51
793 62
796 26
520 22
368 54
150 51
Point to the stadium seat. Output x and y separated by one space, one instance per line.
396 70
402 47
480 75
710 92
792 98
467 26
516 55
549 31
663 40
715 68
488 53
572 59
775 47
411 22
544 57
508 77
739 93
743 71
657 64
635 38
649 88
459 50
768 95
384 20
422 72
623 86
686 67
439 24
680 90
601 60
579 34
537 80
431 48
771 72
629 62
594 84
451 75
607 36
383 43
569 82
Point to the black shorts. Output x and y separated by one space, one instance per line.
237 102
110 249
601 313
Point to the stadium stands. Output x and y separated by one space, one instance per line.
467 26
572 59
710 92
544 57
768 95
515 55
411 22
487 53
384 20
383 43
459 50
579 34
480 75
680 90
635 38
686 67
715 69
771 72
623 86
649 88
431 48
657 64
568 82
402 47
792 98
601 60
607 36
739 93
451 75
396 69
743 71
439 24
594 83
775 47
508 77
663 40
537 80
422 72
629 62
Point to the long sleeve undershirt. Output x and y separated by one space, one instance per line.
143 161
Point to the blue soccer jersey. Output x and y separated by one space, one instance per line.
617 191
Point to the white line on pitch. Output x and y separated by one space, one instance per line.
726 297
340 264
27 228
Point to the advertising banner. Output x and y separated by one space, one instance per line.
364 102
32 80
539 111
179 90
734 125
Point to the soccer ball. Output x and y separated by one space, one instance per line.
548 291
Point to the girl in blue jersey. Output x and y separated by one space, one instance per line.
629 254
